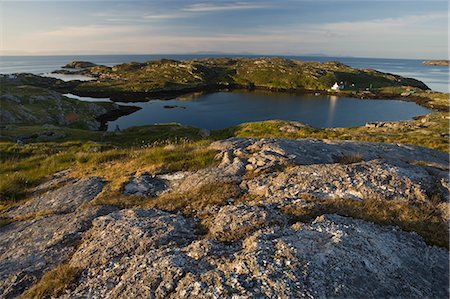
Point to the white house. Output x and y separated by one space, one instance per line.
336 86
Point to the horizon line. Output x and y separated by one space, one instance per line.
215 54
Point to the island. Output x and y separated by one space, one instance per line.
78 65
442 62
170 77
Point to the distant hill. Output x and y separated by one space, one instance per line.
442 62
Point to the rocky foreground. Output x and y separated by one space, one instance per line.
241 248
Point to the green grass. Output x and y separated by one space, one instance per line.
22 168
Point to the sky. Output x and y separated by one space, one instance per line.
359 28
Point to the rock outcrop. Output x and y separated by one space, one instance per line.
140 253
240 248
63 200
30 248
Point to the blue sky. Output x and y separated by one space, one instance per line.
362 28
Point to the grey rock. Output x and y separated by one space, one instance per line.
129 232
48 136
234 222
29 248
289 168
10 97
336 257
7 117
58 180
145 185
230 170
240 250
314 151
332 257
376 179
63 200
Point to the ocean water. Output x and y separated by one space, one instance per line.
436 77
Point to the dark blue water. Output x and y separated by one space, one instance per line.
436 77
223 109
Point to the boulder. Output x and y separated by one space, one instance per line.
145 185
64 200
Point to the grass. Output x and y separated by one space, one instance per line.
53 283
153 160
196 200
424 218
161 148
21 168
349 158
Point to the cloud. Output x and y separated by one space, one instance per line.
213 7
386 25
165 16
88 30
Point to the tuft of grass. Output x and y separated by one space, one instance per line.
53 283
196 200
5 221
176 158
424 218
349 158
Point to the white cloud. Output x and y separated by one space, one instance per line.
165 16
212 7
410 23
88 30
